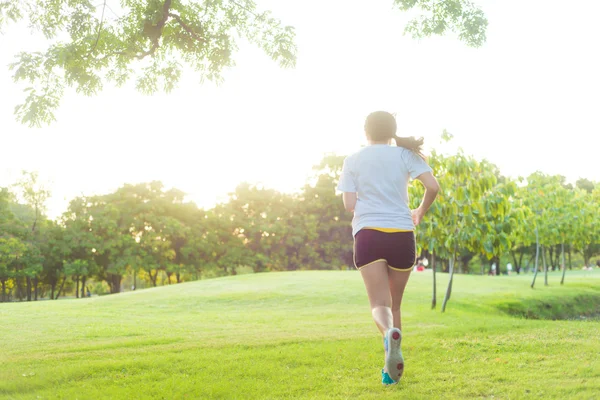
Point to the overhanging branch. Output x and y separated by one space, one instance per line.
187 28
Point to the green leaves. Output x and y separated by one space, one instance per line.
77 267
10 11
98 46
455 220
461 17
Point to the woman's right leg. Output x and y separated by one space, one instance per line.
377 283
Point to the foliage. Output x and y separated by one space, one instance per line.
462 17
153 235
93 44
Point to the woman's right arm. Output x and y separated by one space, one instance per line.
432 188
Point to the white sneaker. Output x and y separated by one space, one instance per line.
394 363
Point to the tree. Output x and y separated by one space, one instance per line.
520 238
34 194
589 235
452 223
496 221
5 212
565 228
223 246
258 217
55 249
11 251
113 245
93 44
76 270
428 236
196 250
537 255
322 211
77 244
586 185
29 267
466 180
550 199
161 228
462 17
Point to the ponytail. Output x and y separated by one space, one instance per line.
412 144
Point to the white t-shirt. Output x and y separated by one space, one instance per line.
379 174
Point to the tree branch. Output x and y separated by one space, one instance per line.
245 8
148 52
187 28
109 8
99 27
154 32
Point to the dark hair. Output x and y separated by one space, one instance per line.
381 125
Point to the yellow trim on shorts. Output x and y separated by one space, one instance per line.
402 270
389 230
372 262
389 266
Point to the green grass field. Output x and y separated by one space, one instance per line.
305 335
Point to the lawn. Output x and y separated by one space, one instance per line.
306 335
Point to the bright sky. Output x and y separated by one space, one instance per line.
528 100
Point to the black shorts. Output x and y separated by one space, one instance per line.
398 249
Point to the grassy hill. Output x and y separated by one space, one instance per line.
306 335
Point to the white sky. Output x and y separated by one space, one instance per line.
528 100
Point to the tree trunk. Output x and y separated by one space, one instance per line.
449 288
526 267
53 287
537 254
115 283
83 279
35 288
28 289
433 299
586 256
169 277
178 276
3 290
497 261
153 278
551 257
564 267
570 263
18 293
514 257
518 267
545 266
61 287
77 287
134 280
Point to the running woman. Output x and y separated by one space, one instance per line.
374 183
